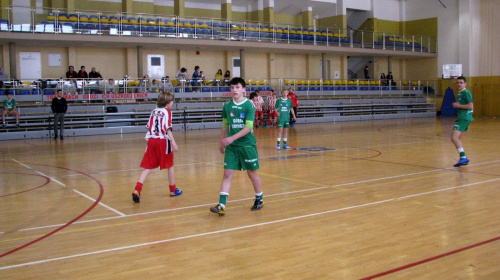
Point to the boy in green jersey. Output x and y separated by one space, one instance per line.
238 144
465 108
9 105
284 109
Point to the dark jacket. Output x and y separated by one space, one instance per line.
59 105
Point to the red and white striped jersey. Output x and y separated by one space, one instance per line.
159 122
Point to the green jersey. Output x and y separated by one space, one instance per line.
283 106
236 117
464 97
9 104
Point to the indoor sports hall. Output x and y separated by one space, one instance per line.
368 189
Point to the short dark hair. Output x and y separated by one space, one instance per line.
252 95
59 90
8 93
462 78
238 80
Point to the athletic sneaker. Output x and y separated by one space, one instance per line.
462 161
176 192
286 147
136 196
257 205
218 209
278 147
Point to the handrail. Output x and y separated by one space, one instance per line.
112 23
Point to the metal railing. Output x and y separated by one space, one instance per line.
108 23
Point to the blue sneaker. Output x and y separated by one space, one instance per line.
176 192
462 161
278 147
286 147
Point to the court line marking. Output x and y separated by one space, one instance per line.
193 236
268 195
430 259
252 226
100 203
29 167
80 193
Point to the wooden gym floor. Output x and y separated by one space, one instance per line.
354 200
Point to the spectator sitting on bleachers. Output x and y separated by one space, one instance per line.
227 77
82 74
218 77
109 88
154 87
95 74
71 74
390 79
166 84
10 108
383 79
195 79
3 77
182 76
68 87
143 84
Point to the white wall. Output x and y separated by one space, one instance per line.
364 5
448 27
387 9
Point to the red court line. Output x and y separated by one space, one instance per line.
68 223
46 178
430 259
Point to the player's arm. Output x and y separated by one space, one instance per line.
468 106
223 134
293 114
175 148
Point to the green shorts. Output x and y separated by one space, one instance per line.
461 125
241 158
284 124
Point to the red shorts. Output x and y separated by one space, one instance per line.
259 113
272 114
156 155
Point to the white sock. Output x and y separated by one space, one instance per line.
460 150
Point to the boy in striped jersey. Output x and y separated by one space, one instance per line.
238 144
161 145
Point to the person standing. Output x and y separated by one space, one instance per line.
295 104
465 108
10 108
239 146
285 111
367 73
161 145
59 107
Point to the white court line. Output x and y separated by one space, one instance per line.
82 194
193 236
39 172
100 203
243 199
236 228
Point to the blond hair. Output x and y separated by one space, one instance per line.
163 99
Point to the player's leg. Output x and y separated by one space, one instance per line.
285 136
231 163
174 191
136 194
279 137
3 117
456 136
257 187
